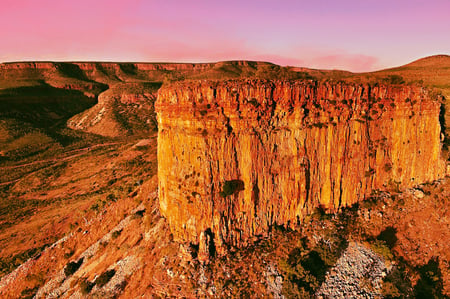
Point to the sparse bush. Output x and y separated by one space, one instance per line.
331 249
254 102
29 292
86 286
72 267
115 234
389 236
231 187
104 278
369 172
394 79
397 283
138 214
320 213
8 264
387 167
380 247
69 254
95 207
319 125
314 263
389 290
304 269
112 181
111 197
430 283
394 185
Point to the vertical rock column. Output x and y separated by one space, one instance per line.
236 157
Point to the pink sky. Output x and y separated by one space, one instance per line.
345 34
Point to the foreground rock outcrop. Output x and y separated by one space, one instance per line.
236 157
124 109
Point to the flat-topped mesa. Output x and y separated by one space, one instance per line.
236 157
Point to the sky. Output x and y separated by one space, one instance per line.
355 35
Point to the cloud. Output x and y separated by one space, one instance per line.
353 62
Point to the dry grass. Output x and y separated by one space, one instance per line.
47 203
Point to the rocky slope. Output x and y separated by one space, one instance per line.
122 110
125 92
236 157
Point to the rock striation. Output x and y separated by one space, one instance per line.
236 157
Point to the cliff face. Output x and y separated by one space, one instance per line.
236 157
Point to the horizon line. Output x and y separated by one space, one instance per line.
218 61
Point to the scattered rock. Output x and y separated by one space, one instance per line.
358 274
418 193
274 281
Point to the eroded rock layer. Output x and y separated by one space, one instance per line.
236 157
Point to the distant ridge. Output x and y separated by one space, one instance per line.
434 60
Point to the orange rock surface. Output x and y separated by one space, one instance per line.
289 147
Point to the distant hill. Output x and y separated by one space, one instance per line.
431 61
433 72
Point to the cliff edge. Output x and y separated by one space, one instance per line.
236 157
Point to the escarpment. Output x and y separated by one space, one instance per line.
236 157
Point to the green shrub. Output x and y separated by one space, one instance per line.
380 247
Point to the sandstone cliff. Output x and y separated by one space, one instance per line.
236 157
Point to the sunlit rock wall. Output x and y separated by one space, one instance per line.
286 148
